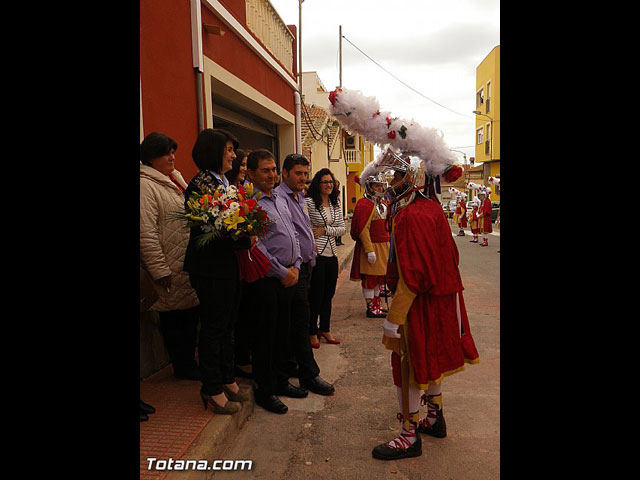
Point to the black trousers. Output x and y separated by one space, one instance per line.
323 287
270 304
219 300
179 329
300 350
242 332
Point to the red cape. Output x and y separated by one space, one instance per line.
427 260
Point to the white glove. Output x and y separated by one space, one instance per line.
371 257
390 329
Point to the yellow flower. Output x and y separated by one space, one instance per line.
248 189
233 222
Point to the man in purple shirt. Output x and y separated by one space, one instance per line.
271 297
295 170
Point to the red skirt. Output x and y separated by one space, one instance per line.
486 224
438 345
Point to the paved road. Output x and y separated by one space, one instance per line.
332 437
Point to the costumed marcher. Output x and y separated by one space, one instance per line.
427 307
473 221
371 251
462 218
484 214
427 327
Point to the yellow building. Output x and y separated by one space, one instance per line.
488 118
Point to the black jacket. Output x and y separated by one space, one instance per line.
218 258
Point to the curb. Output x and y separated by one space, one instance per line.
215 437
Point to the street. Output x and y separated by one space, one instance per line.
332 437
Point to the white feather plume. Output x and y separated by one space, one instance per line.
361 114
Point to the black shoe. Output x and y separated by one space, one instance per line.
143 416
385 452
370 314
146 408
270 402
438 429
291 391
318 386
193 374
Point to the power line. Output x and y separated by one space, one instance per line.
408 86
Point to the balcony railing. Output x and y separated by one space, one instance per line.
352 156
266 24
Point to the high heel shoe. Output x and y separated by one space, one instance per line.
236 397
228 409
332 341
315 344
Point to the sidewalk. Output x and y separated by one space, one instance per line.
181 428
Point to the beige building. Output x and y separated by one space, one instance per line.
344 154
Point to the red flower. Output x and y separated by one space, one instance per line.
392 134
452 174
251 203
333 95
388 121
377 113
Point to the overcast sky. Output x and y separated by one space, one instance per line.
433 46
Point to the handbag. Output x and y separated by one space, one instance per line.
252 264
148 294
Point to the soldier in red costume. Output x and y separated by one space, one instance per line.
484 215
427 327
473 221
461 209
371 251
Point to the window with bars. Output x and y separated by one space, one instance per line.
479 97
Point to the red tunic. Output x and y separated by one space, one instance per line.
485 213
474 221
463 215
426 299
377 230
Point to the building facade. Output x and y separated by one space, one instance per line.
344 154
218 64
487 104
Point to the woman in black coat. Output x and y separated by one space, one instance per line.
213 273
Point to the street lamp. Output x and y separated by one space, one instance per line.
465 163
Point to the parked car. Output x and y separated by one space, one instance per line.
495 206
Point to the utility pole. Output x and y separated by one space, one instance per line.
340 44
300 46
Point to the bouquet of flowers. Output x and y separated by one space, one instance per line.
231 212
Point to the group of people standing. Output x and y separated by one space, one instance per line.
264 330
479 218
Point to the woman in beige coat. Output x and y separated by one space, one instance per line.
163 242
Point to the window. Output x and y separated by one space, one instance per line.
479 134
488 102
349 142
479 97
